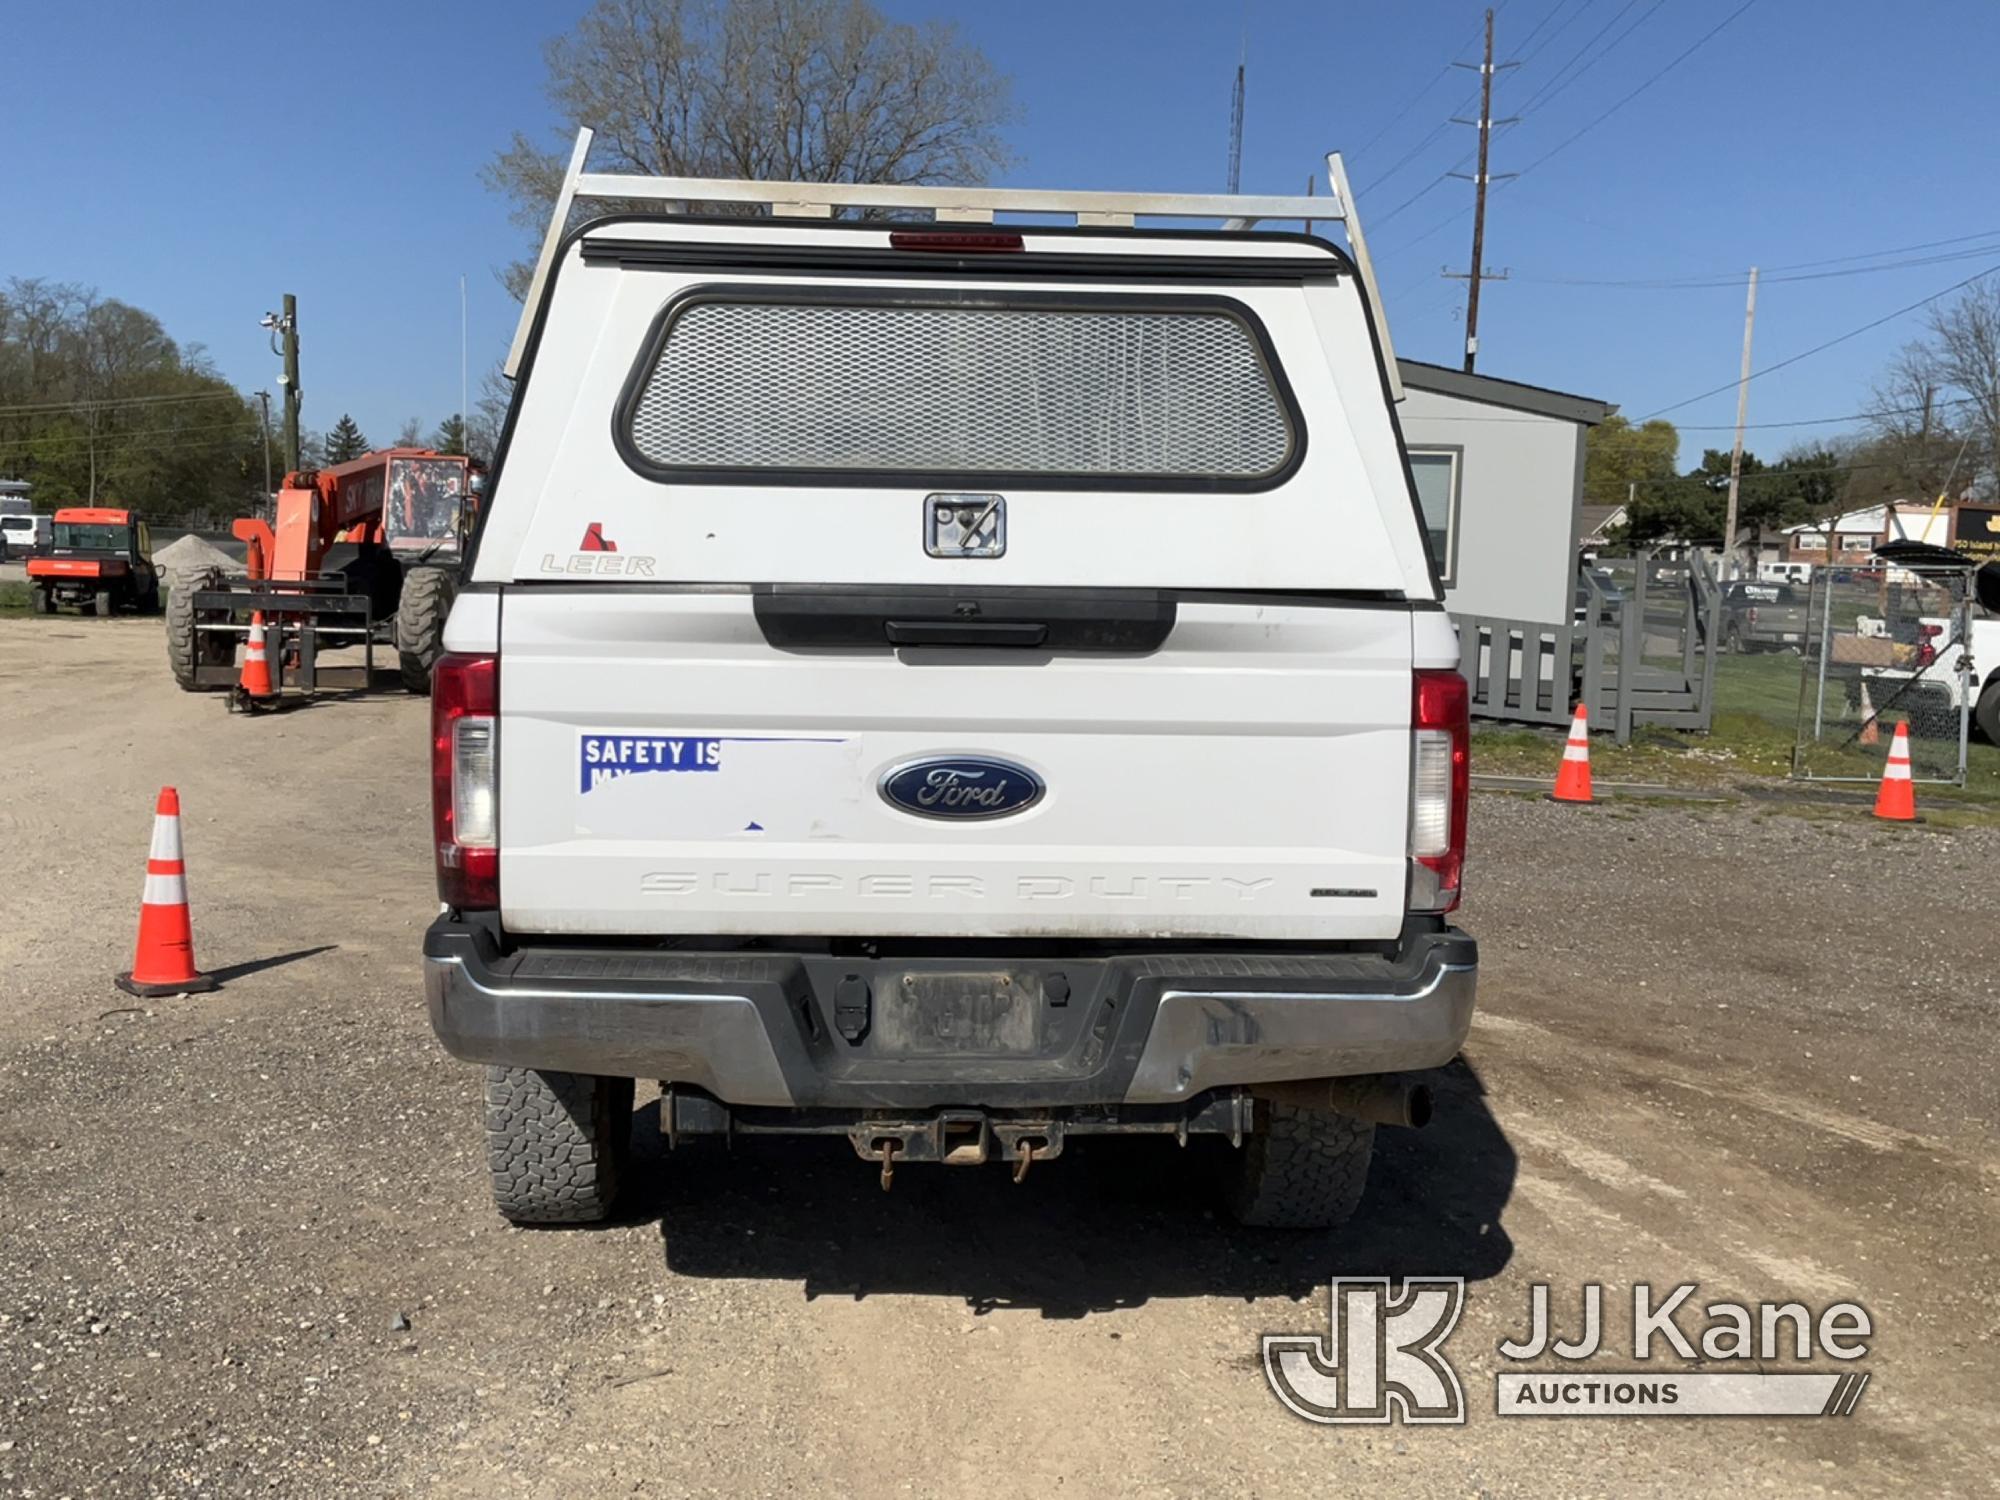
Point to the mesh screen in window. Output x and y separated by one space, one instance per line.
866 387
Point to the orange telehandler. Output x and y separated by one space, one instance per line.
363 553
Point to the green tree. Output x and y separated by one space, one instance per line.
99 403
345 441
1618 455
781 90
450 435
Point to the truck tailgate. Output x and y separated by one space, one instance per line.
664 769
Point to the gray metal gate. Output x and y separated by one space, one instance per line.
1885 644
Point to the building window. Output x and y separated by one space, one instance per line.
1436 471
1857 544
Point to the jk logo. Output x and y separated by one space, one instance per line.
1379 1360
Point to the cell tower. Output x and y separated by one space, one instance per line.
1236 131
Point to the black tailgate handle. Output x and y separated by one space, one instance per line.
803 616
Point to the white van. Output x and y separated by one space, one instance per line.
1784 572
21 530
953 685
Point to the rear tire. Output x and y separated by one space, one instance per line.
41 602
1986 712
188 647
1303 1169
556 1143
101 604
427 598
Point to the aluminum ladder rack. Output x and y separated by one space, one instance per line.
949 205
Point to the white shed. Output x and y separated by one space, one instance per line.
1499 473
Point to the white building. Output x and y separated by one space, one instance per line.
1499 473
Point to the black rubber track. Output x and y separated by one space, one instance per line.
1305 1170
556 1143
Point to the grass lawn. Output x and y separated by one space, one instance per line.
1755 725
13 598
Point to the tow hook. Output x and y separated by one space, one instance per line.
1024 1155
890 1146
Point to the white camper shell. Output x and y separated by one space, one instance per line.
1042 606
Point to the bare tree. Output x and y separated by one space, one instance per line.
1918 432
783 90
1965 350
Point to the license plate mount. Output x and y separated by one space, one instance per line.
979 1013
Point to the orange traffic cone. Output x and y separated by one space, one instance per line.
1897 800
164 962
256 679
1573 776
1871 732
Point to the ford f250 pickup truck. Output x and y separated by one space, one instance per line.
953 685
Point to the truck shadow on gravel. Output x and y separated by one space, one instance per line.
1114 1223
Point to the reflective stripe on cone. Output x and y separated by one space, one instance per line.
1573 775
1896 802
163 962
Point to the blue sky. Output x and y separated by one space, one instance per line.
226 153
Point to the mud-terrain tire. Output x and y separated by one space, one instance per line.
41 601
427 598
1303 1169
102 603
187 647
556 1143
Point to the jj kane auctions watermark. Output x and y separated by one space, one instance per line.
1382 1358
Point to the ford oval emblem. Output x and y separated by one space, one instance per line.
961 786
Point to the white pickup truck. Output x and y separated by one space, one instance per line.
1931 679
955 686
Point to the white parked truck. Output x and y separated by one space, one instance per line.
957 685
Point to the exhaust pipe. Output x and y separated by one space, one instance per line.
1380 1098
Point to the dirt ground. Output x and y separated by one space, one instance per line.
245 1246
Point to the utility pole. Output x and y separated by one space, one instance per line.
284 329
264 398
1477 272
1736 452
294 397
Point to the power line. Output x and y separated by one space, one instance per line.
1579 135
1821 348
1416 98
1775 472
1853 416
30 445
1557 82
1679 58
1673 284
117 401
1536 30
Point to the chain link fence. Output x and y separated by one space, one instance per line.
1885 643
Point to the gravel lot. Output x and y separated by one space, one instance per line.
246 1247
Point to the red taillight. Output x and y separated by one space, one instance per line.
465 789
1440 787
954 242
